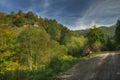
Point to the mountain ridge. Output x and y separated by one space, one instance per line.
108 31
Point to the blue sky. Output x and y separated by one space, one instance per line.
75 14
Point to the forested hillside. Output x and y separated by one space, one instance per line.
108 31
34 48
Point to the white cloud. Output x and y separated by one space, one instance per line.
46 4
38 5
6 5
102 12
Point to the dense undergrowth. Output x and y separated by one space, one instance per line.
47 72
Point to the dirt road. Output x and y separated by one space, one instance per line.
104 67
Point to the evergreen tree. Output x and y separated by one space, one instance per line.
20 12
12 13
117 32
19 22
30 15
109 45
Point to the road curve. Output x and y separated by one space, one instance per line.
104 67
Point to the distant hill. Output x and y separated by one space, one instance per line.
108 31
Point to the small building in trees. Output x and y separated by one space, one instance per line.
32 24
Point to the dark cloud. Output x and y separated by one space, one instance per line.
76 14
15 5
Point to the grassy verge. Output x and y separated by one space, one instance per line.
55 67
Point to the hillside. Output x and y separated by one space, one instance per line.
108 31
31 45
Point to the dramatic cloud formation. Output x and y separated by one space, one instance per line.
75 14
102 12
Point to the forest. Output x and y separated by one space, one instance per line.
36 48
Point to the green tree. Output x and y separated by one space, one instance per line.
109 44
12 13
75 45
32 44
19 22
117 33
65 36
37 48
54 32
30 15
20 12
96 37
7 50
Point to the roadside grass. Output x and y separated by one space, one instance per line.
56 66
95 54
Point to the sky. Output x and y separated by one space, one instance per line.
75 14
